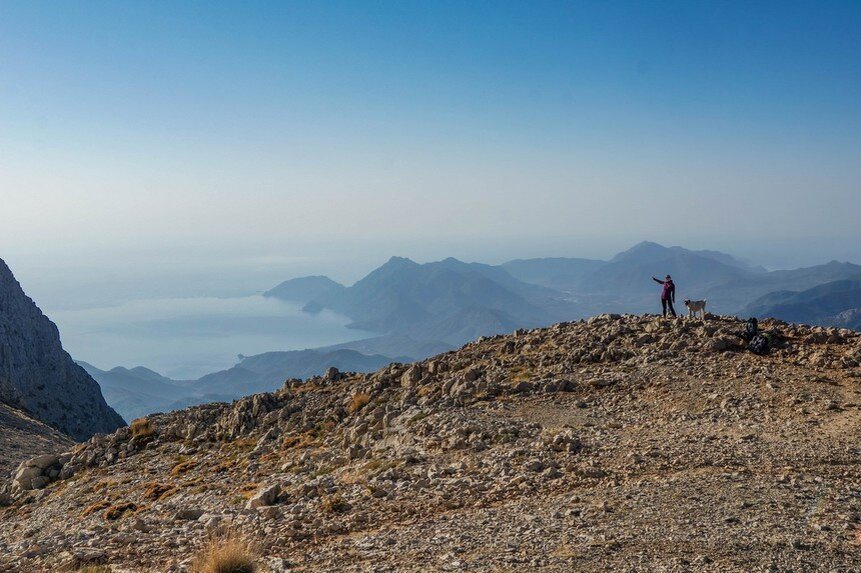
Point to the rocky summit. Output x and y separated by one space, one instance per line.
621 443
38 376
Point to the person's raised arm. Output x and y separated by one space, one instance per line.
660 282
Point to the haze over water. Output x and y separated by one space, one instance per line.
185 338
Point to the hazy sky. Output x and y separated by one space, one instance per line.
221 139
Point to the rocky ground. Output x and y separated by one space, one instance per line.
22 437
615 444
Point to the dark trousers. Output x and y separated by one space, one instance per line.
668 304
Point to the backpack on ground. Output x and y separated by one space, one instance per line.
751 329
760 344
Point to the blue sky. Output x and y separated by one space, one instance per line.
194 133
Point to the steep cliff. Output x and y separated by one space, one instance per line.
38 375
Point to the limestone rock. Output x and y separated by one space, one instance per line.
38 375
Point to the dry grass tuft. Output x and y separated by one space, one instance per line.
248 489
94 569
156 491
335 504
98 506
117 511
142 430
308 439
226 555
182 467
358 402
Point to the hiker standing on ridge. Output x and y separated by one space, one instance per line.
668 294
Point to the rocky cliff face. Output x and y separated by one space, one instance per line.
39 376
616 444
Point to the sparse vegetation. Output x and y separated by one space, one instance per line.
94 569
225 555
119 510
242 445
303 440
93 508
246 490
358 402
142 431
156 491
182 467
519 374
335 504
425 391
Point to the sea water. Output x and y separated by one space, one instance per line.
185 338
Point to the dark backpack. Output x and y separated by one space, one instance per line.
751 329
759 344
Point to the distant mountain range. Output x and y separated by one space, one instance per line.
139 391
450 302
419 310
447 301
836 303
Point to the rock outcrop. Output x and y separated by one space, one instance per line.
36 374
620 443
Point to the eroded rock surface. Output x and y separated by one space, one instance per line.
37 375
616 444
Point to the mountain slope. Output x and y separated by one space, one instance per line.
305 289
39 376
401 296
740 291
267 371
138 391
625 283
818 305
848 319
558 273
616 444
22 437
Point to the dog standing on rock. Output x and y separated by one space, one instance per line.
696 306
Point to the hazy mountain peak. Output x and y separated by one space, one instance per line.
400 262
643 249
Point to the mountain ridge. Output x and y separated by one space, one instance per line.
573 447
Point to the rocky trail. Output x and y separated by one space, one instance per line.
620 443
